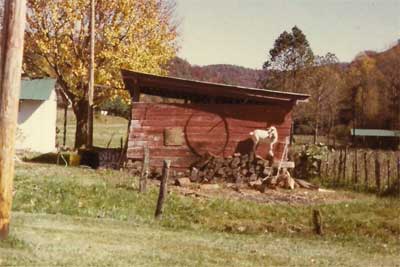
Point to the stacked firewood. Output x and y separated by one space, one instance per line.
235 169
253 170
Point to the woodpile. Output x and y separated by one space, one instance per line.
234 169
240 169
257 172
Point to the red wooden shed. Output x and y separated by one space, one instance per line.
205 117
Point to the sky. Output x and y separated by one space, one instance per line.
241 32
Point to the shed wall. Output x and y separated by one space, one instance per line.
37 125
222 129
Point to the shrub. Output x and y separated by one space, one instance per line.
308 160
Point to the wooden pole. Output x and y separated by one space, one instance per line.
355 167
163 189
366 170
388 172
145 169
12 44
344 165
317 222
377 173
91 76
398 174
65 125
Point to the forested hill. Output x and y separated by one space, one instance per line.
219 73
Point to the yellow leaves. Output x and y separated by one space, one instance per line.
134 34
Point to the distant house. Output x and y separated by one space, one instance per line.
37 116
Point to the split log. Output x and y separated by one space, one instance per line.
305 184
183 181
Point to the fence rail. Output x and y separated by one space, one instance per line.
371 170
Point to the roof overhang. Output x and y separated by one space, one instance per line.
181 88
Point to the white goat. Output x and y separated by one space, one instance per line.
269 136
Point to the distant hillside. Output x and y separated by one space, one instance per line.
219 73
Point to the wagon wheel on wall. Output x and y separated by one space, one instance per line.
207 134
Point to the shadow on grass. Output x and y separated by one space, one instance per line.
49 158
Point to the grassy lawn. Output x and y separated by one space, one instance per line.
78 216
105 128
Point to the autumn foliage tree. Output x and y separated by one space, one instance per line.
133 34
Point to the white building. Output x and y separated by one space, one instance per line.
37 116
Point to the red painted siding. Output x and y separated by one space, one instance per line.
221 129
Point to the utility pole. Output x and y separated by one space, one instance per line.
91 77
12 45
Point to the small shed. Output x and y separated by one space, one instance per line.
376 138
202 117
37 114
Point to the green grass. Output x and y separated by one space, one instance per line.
78 216
105 128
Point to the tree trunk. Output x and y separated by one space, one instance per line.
80 108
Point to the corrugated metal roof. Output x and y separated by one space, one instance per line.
179 88
374 132
37 89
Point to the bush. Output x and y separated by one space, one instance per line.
308 161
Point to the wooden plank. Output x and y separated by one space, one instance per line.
284 164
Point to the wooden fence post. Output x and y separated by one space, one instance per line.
377 173
355 167
145 170
388 172
163 189
398 174
334 174
365 170
12 45
317 222
344 164
340 167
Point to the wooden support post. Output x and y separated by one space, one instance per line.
163 189
317 222
89 139
145 170
12 44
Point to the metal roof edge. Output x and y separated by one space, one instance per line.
297 96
